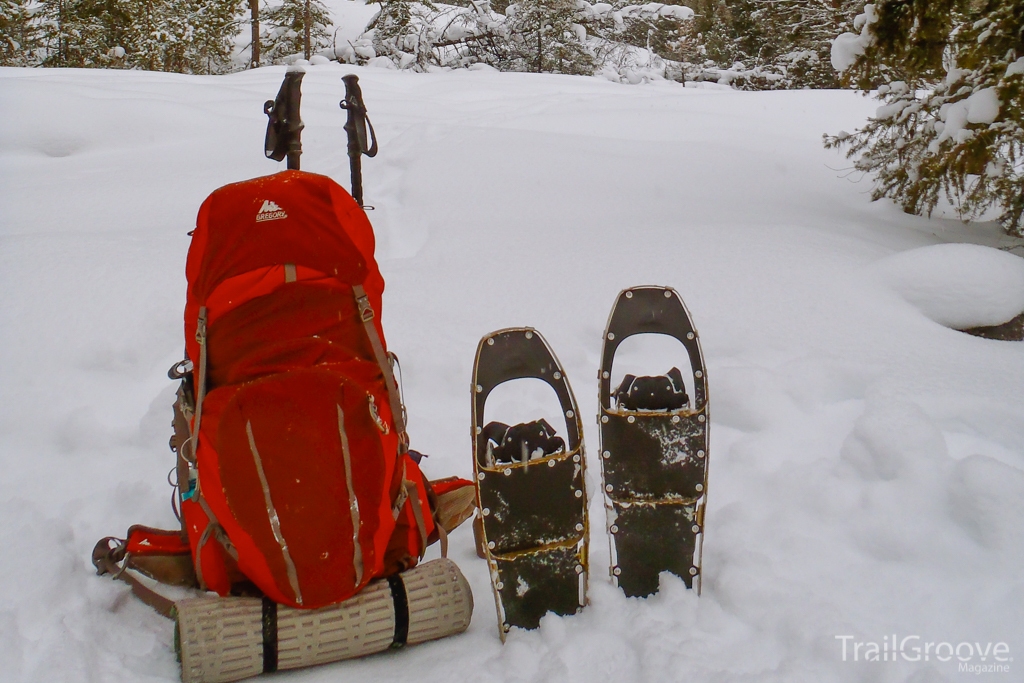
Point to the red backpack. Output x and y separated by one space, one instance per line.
293 464
299 477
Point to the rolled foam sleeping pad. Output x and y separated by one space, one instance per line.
223 639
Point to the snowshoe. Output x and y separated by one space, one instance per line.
531 494
654 449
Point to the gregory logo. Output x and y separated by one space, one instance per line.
270 212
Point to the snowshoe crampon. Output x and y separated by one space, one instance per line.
530 488
654 449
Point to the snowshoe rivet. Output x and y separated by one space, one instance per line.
698 374
579 527
701 418
479 430
569 413
498 585
695 529
668 294
557 375
689 335
608 488
700 454
616 571
529 335
605 374
700 487
506 628
487 511
675 419
693 571
579 567
578 493
629 295
630 419
480 476
479 388
508 472
490 342
604 419
614 528
490 544
551 463
611 335
575 458
606 454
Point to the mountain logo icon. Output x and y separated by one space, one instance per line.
270 211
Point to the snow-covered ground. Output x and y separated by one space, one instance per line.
867 462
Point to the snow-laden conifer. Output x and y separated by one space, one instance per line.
950 75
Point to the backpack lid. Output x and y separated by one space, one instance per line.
289 217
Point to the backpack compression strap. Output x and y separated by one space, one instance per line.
366 314
113 561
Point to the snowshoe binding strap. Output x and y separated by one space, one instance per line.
661 392
521 442
284 127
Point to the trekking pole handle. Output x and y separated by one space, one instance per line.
357 126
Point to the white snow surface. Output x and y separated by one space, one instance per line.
958 285
866 463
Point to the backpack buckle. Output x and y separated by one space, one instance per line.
365 309
375 414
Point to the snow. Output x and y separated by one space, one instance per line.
983 106
867 461
958 285
847 47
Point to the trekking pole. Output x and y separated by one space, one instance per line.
356 127
284 127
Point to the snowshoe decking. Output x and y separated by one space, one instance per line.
530 488
654 446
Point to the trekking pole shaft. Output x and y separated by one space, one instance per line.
356 162
294 82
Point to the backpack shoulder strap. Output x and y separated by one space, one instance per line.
366 314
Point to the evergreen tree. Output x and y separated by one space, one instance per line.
560 36
766 44
19 34
547 39
85 33
951 76
187 36
286 26
394 32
